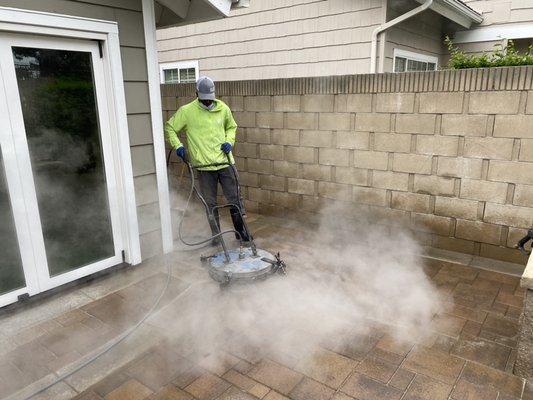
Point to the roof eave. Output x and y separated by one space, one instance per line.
456 11
464 9
182 12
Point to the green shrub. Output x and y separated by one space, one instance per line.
500 57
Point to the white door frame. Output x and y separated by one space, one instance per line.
66 26
15 113
18 207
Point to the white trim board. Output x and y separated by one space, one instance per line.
43 23
415 56
45 19
456 11
410 55
156 110
493 33
178 65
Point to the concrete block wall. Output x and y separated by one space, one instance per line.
446 154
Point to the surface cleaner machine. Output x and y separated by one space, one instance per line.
244 264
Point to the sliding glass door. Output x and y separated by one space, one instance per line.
62 162
11 271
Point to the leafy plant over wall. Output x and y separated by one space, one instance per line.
504 56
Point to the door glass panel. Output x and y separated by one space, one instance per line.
57 94
11 272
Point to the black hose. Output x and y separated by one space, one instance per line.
200 197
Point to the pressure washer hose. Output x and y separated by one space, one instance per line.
201 198
110 345
119 339
189 197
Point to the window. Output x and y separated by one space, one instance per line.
179 72
407 61
523 45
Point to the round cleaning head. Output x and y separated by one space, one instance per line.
242 266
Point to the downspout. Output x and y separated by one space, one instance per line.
387 25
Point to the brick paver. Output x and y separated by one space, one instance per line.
276 376
489 377
434 363
308 389
236 394
157 369
401 379
170 392
272 395
376 368
88 396
207 387
468 354
259 390
327 367
363 387
130 390
110 383
424 387
472 348
467 390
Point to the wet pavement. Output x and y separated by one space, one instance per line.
468 352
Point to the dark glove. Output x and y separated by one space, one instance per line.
226 147
182 153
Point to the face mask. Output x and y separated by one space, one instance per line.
208 108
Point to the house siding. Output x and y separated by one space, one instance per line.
279 38
128 15
498 13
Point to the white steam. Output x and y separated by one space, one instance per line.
340 284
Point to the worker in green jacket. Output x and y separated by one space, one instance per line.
210 130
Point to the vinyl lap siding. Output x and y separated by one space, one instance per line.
480 47
128 15
496 12
279 38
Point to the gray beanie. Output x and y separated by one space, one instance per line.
205 88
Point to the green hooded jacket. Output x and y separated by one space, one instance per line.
206 131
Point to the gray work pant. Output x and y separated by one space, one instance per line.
209 181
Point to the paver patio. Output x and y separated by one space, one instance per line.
469 353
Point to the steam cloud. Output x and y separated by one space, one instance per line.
340 284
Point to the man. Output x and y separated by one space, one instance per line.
210 129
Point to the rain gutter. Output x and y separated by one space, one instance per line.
387 25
